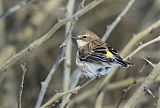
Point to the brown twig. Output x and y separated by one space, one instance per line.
68 53
125 92
149 62
19 101
59 95
143 46
111 27
44 84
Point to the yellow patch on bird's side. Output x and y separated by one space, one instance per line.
109 54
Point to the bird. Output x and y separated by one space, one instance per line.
94 57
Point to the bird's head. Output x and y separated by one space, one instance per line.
84 38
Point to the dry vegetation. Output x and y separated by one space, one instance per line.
37 54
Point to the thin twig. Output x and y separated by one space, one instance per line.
143 46
140 91
59 95
34 45
23 66
137 37
149 62
44 84
68 52
111 27
74 81
125 92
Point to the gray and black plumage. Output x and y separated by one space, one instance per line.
94 57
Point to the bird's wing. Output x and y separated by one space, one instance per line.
103 54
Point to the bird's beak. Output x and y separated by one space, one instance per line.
75 38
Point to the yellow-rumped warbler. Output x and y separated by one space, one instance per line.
94 57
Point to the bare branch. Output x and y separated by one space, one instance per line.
136 38
68 52
146 89
149 62
111 27
59 95
19 101
44 84
143 46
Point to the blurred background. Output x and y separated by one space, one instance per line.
36 17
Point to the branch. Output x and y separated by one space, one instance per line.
143 46
44 84
19 101
111 27
67 64
136 38
149 62
68 32
147 83
34 45
59 95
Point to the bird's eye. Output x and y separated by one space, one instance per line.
84 36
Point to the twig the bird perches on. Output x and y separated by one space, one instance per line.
59 95
34 45
19 100
117 20
133 101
